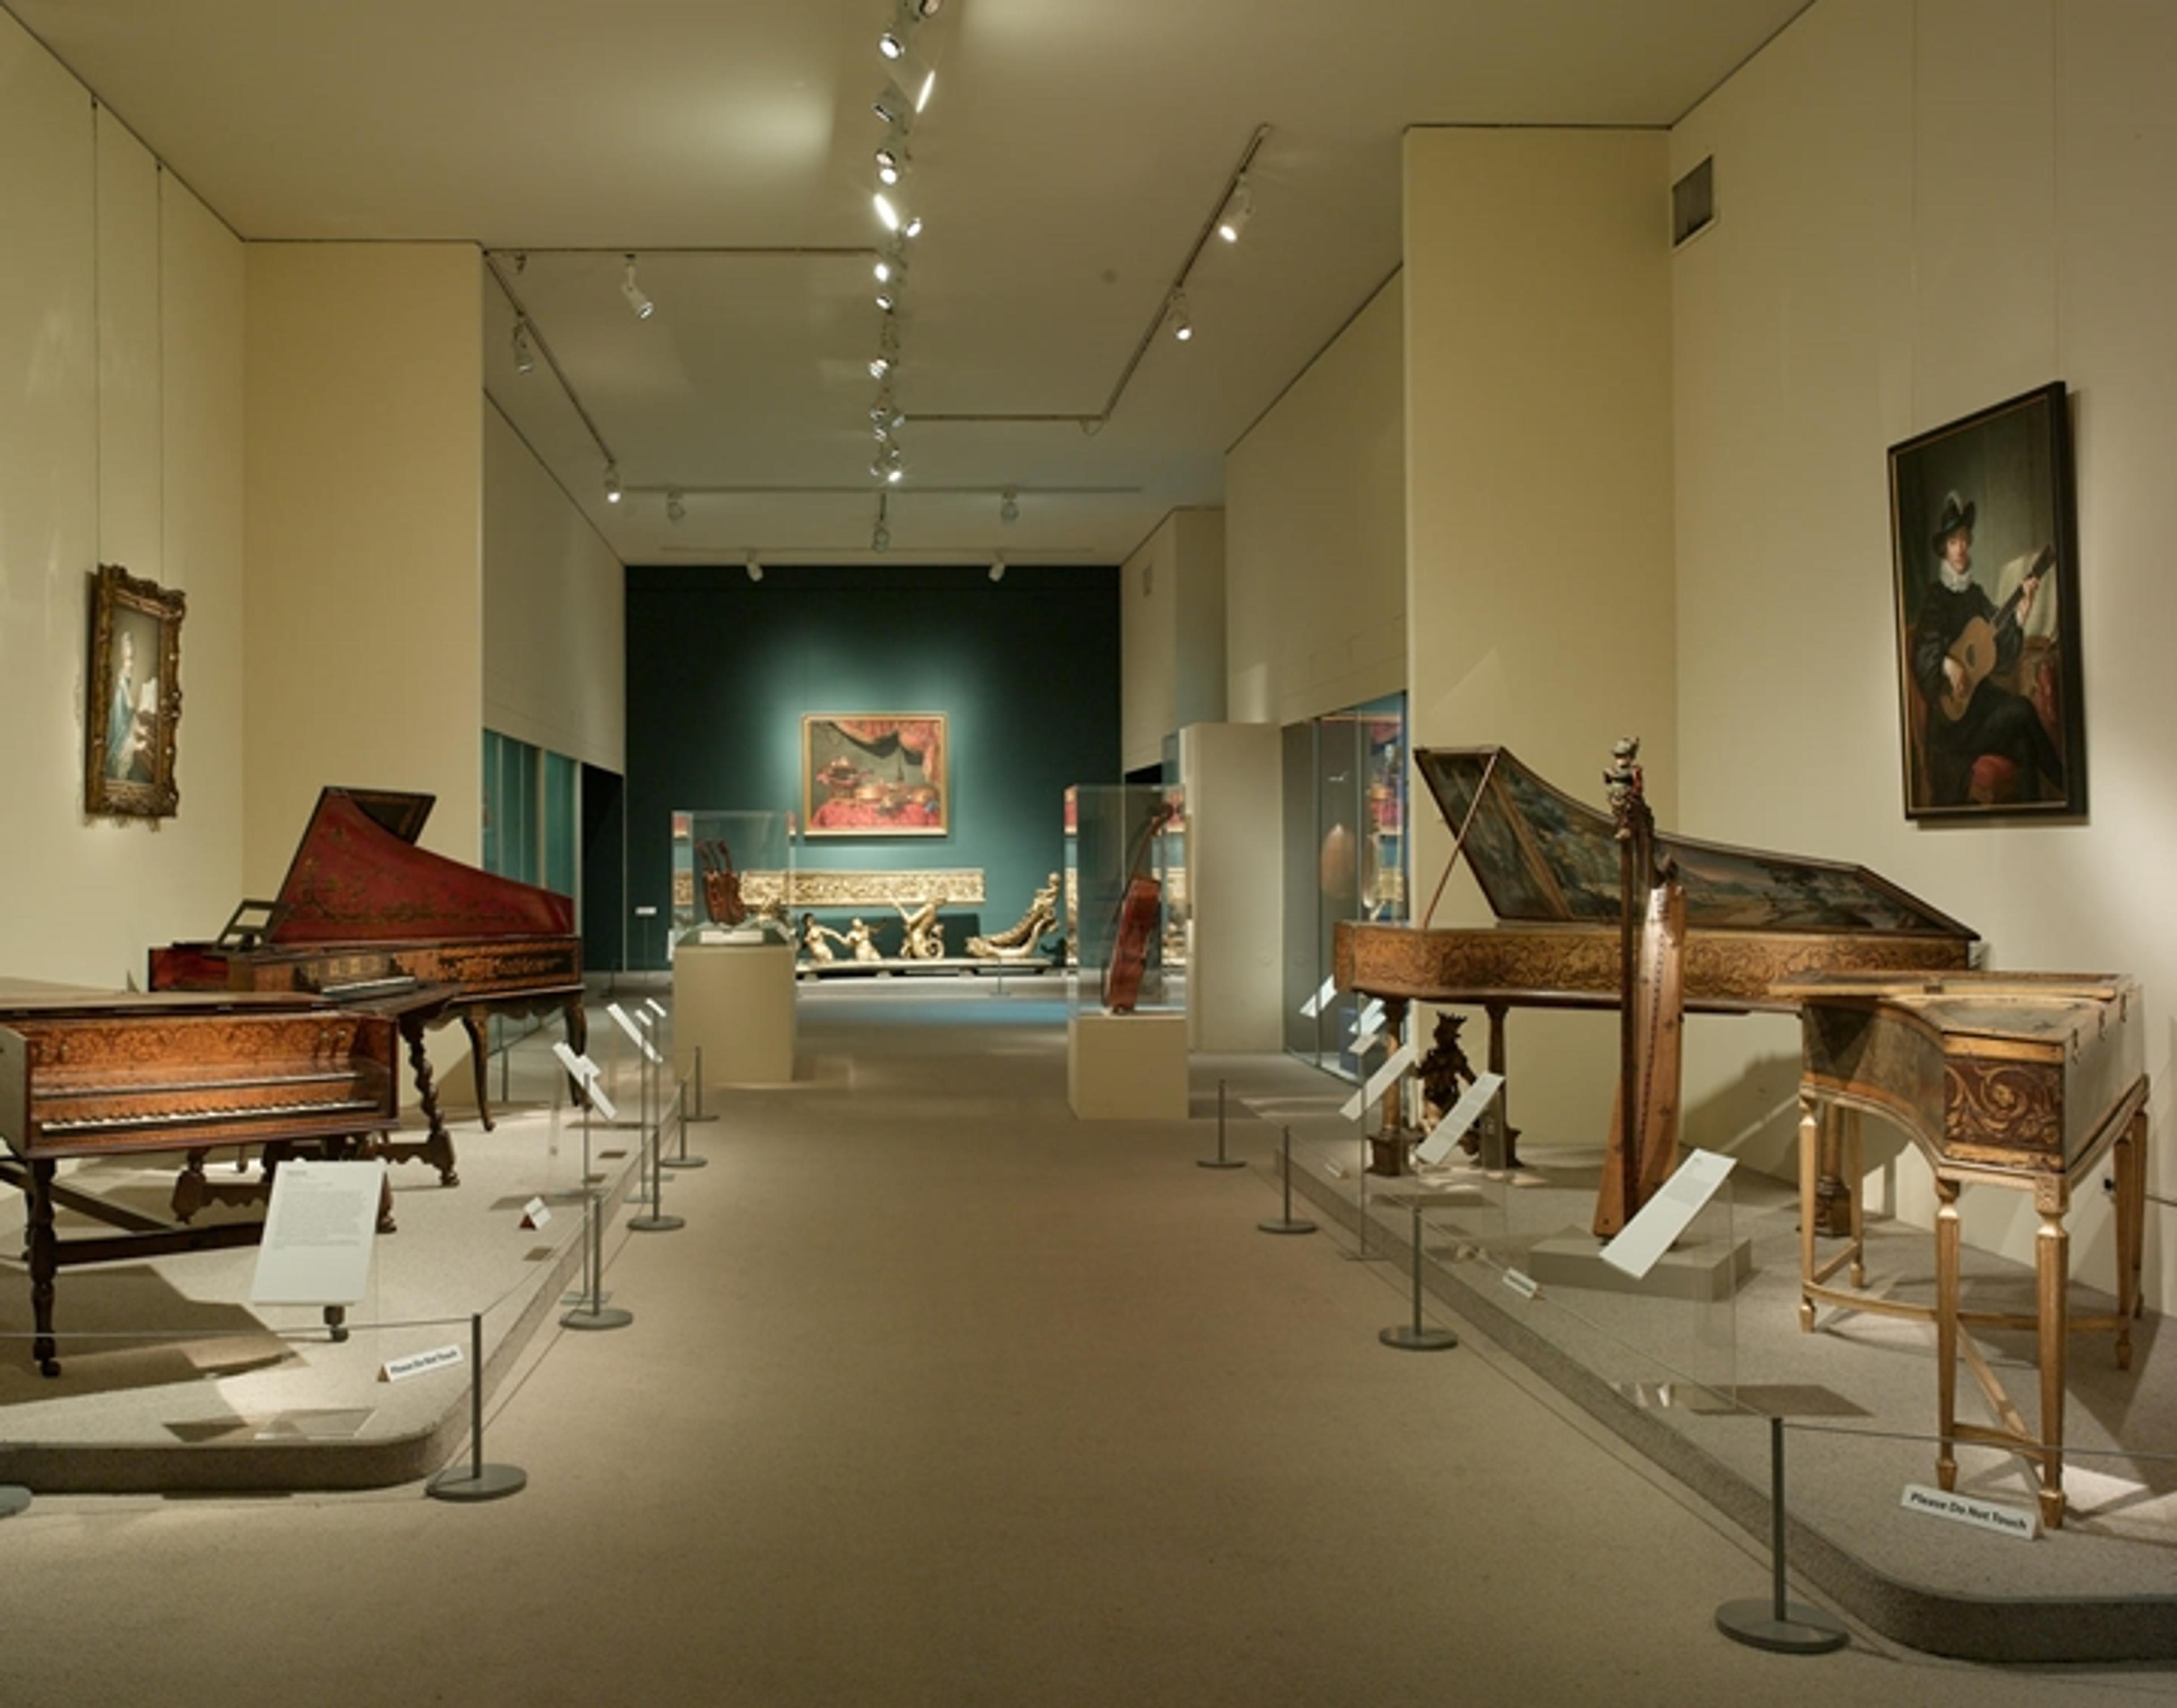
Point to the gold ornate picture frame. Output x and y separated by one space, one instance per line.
875 775
135 697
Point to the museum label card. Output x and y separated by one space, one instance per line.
317 1233
1963 1509
583 1069
1322 999
654 1005
633 1031
1667 1214
595 1091
1379 1081
1459 1117
419 1363
535 1213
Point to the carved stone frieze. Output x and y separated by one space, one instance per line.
821 888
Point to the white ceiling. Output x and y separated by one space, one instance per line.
1069 160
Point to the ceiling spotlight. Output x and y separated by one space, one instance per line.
612 482
1239 209
897 216
998 568
525 352
891 265
1182 328
755 569
881 538
892 44
1009 507
676 512
885 415
892 163
643 307
880 366
894 107
888 298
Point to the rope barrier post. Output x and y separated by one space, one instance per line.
590 1311
699 1115
680 1159
1417 1336
478 1481
654 1220
1285 1223
1783 1627
1219 1160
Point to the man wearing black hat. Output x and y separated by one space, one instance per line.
1962 643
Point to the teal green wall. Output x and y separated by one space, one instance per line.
721 669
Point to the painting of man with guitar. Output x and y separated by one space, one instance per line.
1990 662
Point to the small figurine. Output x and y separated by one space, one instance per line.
1445 1075
857 938
1623 784
922 938
817 939
1018 940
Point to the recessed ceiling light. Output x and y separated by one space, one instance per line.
637 300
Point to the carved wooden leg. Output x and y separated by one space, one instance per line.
2131 1227
1832 1200
1810 1126
337 1324
578 1040
190 1187
45 1264
472 1023
1855 1170
1387 1151
1946 1328
1499 1145
439 1148
2052 1267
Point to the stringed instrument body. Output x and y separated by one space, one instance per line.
1975 649
1139 911
721 884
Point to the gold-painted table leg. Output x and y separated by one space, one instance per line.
1946 1329
1855 1176
1810 1121
2130 1227
2052 1267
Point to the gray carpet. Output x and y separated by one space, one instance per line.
944 1397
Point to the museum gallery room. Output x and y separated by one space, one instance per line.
985 851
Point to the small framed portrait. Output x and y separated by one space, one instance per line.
883 774
1985 543
135 697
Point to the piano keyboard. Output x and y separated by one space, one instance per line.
150 1120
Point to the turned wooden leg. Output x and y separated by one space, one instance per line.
2052 1268
2130 1227
1832 1200
472 1023
1855 1168
1946 1328
578 1040
1810 1126
190 1187
439 1148
1500 1147
45 1264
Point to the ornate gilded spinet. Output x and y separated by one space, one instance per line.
1548 866
2017 1079
363 914
89 1075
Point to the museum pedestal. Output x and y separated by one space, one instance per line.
735 1001
1127 1067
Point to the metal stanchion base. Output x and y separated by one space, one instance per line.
697 1120
472 1482
686 1162
603 1317
580 1296
1287 1224
1802 1630
655 1224
14 1498
1219 1162
1409 1339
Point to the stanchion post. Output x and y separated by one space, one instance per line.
1781 1626
699 1115
1219 1160
1285 1223
654 1220
479 1481
590 1311
1417 1336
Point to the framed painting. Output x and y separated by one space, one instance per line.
880 774
135 697
1985 540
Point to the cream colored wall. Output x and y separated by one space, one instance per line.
554 672
365 658
1538 494
1171 634
1924 208
1315 521
120 439
1233 775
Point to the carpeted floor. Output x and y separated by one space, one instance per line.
943 1397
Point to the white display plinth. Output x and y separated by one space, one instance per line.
736 1002
1127 1067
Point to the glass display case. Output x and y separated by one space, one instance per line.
1126 894
1345 820
732 876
